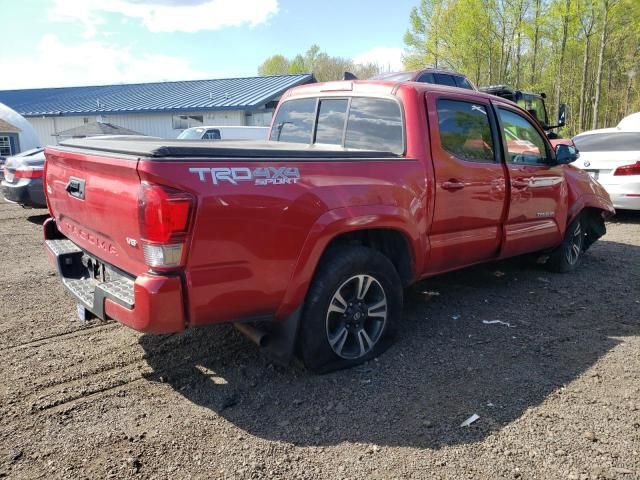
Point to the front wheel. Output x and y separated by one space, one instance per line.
351 310
566 257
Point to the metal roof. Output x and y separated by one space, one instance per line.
187 96
96 128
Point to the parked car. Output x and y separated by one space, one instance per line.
308 239
612 157
225 133
534 103
436 76
630 123
23 175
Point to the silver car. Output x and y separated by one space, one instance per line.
23 179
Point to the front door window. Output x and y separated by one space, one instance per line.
525 145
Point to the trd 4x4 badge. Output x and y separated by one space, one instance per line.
259 176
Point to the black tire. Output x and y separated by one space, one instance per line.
566 257
343 271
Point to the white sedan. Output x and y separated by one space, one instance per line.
612 157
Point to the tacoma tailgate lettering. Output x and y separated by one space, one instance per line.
260 176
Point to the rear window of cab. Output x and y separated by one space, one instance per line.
358 122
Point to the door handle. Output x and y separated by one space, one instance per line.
452 185
522 183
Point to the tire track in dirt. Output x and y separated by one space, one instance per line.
72 334
84 376
80 389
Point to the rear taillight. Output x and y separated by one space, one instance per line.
165 218
633 169
29 172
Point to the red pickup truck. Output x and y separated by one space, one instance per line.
364 187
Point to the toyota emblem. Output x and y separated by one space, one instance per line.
587 163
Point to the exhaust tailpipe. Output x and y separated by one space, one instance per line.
256 335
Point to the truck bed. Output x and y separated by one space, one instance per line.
154 148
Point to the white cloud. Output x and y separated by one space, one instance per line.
387 58
166 15
92 63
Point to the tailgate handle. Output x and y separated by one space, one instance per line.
75 187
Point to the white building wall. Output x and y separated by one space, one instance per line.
46 126
154 124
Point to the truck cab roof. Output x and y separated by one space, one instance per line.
382 88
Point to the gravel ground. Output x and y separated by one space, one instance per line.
557 391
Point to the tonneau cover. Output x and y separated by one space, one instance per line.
161 148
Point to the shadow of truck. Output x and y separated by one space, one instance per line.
446 363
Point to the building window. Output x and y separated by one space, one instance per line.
180 122
5 147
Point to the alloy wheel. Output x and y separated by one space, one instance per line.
356 317
575 246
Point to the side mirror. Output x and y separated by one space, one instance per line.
562 115
566 154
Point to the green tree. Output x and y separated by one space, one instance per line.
585 53
425 36
297 65
275 65
323 66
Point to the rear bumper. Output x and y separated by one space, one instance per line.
625 201
625 194
27 192
148 303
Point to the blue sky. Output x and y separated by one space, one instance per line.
84 42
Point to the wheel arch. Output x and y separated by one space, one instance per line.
590 203
390 230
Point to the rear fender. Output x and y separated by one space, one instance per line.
339 221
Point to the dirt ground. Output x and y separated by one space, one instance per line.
557 391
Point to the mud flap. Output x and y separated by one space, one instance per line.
281 343
594 227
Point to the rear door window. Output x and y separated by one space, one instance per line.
212 134
444 79
294 121
375 124
426 78
465 131
462 82
331 117
608 142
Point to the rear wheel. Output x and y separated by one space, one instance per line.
567 256
351 310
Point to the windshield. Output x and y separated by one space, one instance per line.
535 106
191 134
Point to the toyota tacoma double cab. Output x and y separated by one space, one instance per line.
307 240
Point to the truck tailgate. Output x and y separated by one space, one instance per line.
94 200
